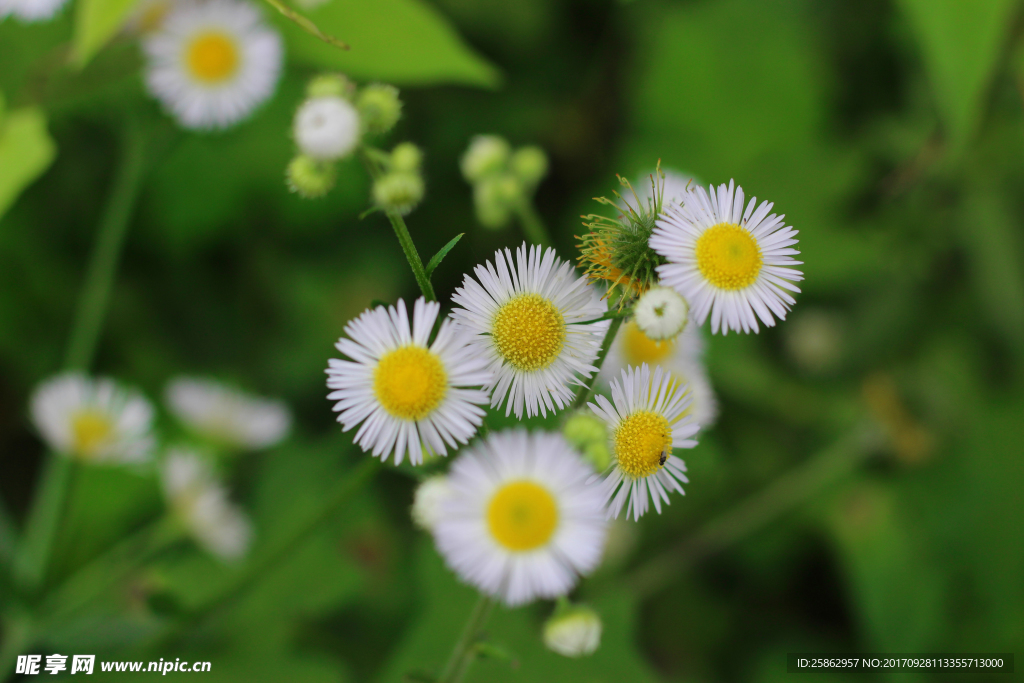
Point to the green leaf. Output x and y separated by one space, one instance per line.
96 22
961 41
26 150
435 261
401 41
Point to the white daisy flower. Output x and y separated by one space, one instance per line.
93 420
227 416
525 318
428 501
326 128
661 313
727 261
645 423
212 63
403 391
682 357
201 504
521 522
30 10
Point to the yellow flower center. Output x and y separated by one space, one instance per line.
528 332
728 256
642 443
522 516
638 348
212 57
410 382
90 429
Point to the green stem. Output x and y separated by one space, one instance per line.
401 231
305 24
464 651
533 226
587 389
271 559
48 502
785 493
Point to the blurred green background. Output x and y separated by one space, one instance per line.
890 133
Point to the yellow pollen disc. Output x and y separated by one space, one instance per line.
410 382
212 57
522 516
89 430
529 332
641 440
638 348
728 256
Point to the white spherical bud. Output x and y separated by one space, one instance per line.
573 631
487 154
661 313
428 501
326 128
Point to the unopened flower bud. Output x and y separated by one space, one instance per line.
529 164
491 210
330 85
428 501
573 631
326 128
589 435
398 192
310 178
406 157
661 313
379 107
487 154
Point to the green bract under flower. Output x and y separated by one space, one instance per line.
616 249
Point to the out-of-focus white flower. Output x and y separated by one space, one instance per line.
211 63
661 313
227 416
30 10
326 128
93 420
428 501
201 504
573 631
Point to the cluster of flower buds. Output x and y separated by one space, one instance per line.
400 189
329 126
502 179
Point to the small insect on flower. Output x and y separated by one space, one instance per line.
731 263
405 392
212 63
520 521
201 505
647 420
227 416
525 317
93 420
30 10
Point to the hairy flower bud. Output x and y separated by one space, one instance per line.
379 107
492 211
487 154
310 178
398 192
326 128
406 157
330 85
573 631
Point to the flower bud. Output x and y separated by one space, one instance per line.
330 85
573 631
406 157
326 128
661 313
491 210
529 164
309 177
589 435
487 154
398 192
428 500
379 107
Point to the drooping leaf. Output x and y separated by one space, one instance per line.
96 22
961 41
435 261
26 150
405 42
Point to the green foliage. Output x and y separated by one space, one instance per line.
436 259
26 151
96 22
401 41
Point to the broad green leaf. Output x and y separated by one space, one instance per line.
26 150
400 41
961 41
96 22
439 256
